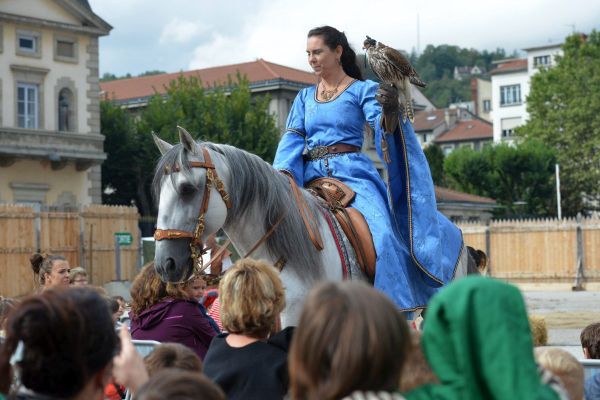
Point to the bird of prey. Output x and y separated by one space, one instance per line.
392 67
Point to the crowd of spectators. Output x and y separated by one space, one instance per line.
69 340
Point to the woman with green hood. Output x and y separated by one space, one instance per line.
478 342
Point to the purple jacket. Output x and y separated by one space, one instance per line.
174 321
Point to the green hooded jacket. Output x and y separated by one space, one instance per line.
478 342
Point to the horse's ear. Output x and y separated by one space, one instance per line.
187 140
163 146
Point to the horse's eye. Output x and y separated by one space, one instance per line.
187 189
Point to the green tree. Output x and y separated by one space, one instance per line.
563 105
118 177
226 114
520 178
435 158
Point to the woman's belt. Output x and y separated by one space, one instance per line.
320 152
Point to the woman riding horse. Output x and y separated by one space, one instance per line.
417 248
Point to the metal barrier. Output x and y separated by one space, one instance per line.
590 367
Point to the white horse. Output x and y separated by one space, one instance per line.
261 207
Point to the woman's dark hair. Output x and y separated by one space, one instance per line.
334 38
67 337
172 383
41 264
350 337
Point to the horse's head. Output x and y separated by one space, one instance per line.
187 211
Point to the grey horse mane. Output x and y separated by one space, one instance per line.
254 184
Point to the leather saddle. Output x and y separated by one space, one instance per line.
337 196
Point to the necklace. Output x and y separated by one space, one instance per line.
328 94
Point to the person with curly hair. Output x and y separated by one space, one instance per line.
164 312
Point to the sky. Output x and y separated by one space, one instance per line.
176 35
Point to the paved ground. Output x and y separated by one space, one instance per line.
566 314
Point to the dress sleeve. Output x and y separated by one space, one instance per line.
371 108
289 151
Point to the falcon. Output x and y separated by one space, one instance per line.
392 67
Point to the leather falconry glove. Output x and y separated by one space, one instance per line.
387 96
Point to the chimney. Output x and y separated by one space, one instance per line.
474 95
450 117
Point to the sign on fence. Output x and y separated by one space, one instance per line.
124 238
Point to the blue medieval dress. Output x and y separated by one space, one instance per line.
417 247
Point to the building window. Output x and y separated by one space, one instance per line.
65 48
447 149
508 126
28 43
541 61
65 110
487 106
27 105
424 138
510 95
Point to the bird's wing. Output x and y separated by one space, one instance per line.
401 63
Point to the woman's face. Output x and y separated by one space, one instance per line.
59 276
321 58
195 289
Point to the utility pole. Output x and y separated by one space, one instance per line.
558 206
418 36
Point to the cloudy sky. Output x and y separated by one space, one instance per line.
176 35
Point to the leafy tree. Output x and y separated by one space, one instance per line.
435 158
118 129
563 106
227 114
520 178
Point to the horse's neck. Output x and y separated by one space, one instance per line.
246 233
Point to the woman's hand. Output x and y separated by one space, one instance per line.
128 367
387 96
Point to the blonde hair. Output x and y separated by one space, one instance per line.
251 297
565 366
75 272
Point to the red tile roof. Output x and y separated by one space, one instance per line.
255 71
454 196
428 120
467 130
510 66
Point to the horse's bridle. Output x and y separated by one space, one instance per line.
212 179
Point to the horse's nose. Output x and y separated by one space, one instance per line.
170 265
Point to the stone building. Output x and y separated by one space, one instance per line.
51 148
